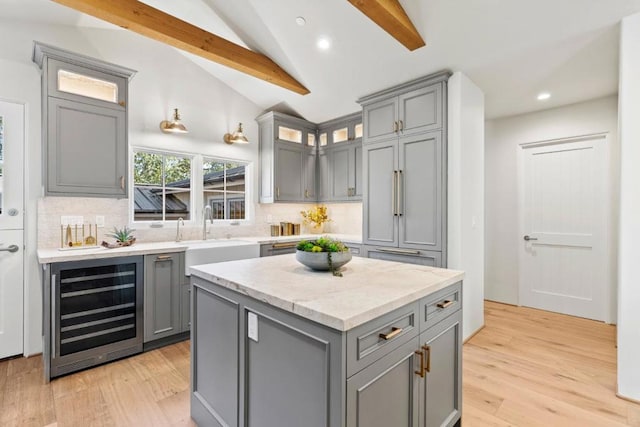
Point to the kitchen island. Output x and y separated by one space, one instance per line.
276 344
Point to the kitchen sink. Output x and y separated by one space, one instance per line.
210 251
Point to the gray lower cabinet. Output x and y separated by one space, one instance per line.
162 296
256 365
441 389
387 393
280 248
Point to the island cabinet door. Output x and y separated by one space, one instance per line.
387 392
214 358
286 374
441 392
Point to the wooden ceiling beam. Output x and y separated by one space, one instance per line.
392 18
153 23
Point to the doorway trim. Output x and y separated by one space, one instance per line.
609 260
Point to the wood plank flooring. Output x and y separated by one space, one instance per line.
525 368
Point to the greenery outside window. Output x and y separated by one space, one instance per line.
161 186
224 188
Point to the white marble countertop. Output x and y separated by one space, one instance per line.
368 289
46 256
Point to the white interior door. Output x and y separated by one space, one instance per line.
11 228
564 267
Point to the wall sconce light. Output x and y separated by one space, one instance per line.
173 126
237 136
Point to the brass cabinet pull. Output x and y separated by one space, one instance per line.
401 126
122 104
284 245
400 196
395 127
427 349
399 251
444 304
122 182
394 331
394 188
306 194
421 356
163 257
277 192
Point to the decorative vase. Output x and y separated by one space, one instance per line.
320 260
316 228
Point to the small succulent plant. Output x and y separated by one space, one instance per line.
122 235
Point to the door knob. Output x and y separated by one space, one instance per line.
13 212
10 248
527 238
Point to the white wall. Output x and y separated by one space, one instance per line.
503 137
629 250
466 195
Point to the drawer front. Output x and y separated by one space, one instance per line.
354 248
407 256
271 249
372 340
440 305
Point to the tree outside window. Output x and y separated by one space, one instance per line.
162 186
224 188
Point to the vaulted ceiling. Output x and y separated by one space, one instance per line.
512 49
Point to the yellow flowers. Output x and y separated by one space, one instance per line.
315 216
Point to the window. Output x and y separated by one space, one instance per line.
340 135
91 87
224 188
161 186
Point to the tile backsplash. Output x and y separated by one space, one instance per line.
346 218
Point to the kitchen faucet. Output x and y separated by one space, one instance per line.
178 233
206 213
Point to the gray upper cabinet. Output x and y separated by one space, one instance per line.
408 113
287 159
404 172
84 112
86 146
162 296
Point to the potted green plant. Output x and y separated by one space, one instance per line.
123 236
323 254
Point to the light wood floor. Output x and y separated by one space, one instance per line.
525 368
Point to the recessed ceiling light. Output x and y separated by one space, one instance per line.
544 96
301 21
323 43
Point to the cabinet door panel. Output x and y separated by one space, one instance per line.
86 151
286 376
420 224
421 110
215 367
185 310
380 224
310 168
380 120
288 170
357 171
442 394
386 393
161 296
339 178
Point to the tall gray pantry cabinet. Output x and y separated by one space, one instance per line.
404 167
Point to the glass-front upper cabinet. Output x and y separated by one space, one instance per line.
83 84
291 132
340 135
